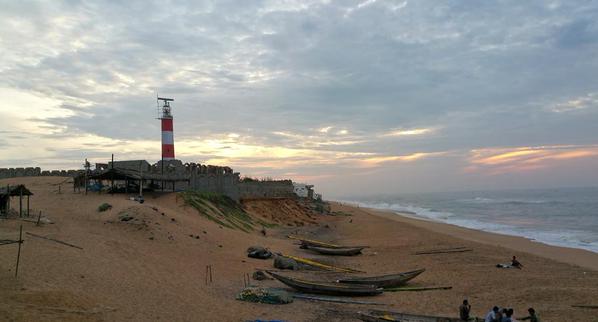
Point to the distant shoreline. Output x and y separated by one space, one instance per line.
575 256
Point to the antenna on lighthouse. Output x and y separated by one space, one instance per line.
165 108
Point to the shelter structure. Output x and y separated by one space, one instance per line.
140 178
14 191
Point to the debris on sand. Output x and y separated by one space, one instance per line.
282 262
265 295
258 252
125 217
260 276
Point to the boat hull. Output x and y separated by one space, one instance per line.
384 281
347 251
327 288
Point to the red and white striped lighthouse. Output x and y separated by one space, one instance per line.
167 130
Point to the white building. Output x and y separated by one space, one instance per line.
303 190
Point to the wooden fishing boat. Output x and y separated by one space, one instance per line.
327 288
378 316
316 243
344 251
384 281
313 263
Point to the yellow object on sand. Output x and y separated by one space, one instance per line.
317 242
320 265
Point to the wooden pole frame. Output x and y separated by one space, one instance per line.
19 251
21 201
8 201
112 168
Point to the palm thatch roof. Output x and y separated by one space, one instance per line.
17 190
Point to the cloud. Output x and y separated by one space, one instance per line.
410 132
376 161
309 88
520 159
579 103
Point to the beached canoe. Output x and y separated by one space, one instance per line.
344 251
384 281
327 288
312 242
378 316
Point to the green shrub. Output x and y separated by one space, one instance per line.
105 206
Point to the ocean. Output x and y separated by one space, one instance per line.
563 217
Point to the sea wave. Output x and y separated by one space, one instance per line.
482 200
565 238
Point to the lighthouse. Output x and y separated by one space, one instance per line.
167 129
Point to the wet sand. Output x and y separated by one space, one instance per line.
569 255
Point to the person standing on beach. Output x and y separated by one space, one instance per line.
491 316
464 310
532 316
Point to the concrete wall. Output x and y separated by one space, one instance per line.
266 189
195 176
205 178
35 172
222 180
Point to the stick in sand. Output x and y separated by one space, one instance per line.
417 289
444 251
586 306
19 252
54 240
333 299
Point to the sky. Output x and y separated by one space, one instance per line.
356 97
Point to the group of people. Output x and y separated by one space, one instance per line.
497 314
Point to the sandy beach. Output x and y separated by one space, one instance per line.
153 268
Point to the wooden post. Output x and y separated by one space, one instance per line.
19 251
140 180
28 205
87 166
112 167
21 201
59 189
8 202
39 218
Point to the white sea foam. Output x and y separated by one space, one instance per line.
557 237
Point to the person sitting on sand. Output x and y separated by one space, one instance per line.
532 316
515 263
491 316
464 310
508 317
499 315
